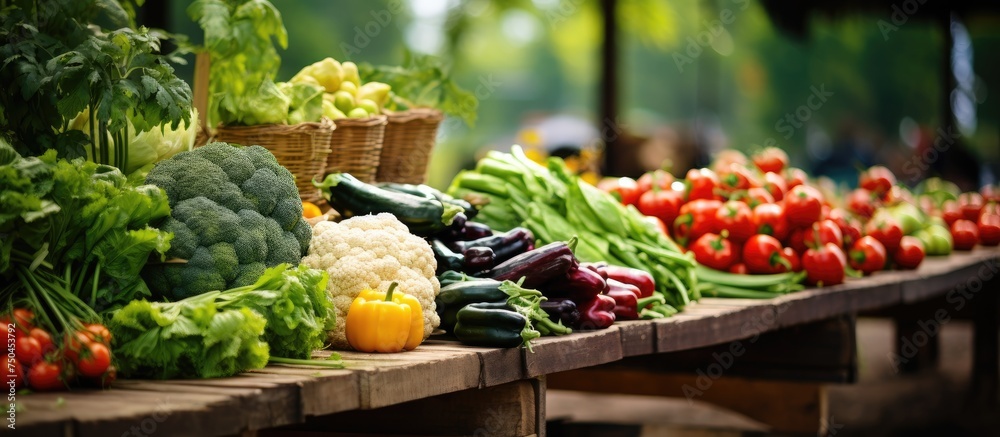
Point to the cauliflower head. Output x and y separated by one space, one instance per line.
234 212
372 251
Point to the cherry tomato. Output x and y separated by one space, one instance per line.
965 234
660 226
827 231
659 179
44 340
27 350
104 380
770 159
803 206
624 189
728 157
877 179
93 360
951 211
696 218
797 239
737 177
24 319
662 204
793 258
867 255
971 204
886 230
17 376
990 193
101 333
46 376
825 265
795 177
762 254
910 253
849 225
701 184
739 268
775 184
862 202
769 219
989 226
736 218
713 251
74 344
757 196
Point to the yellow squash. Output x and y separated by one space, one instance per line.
384 322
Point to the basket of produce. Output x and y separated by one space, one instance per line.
421 94
406 149
301 148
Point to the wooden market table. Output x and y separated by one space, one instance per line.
445 388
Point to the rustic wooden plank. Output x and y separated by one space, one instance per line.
325 391
580 349
881 289
787 407
814 304
966 271
638 337
497 365
714 325
387 379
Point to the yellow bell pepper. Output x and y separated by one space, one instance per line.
384 322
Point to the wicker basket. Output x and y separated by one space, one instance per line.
301 148
355 147
406 150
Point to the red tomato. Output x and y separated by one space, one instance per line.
775 184
803 206
44 340
769 219
828 232
886 230
27 350
104 380
849 225
701 184
971 204
795 177
624 189
797 239
737 177
965 234
94 360
990 193
660 179
739 268
24 319
728 157
660 226
17 376
736 218
862 202
910 253
989 226
877 179
825 265
770 159
662 204
697 218
101 333
757 196
45 376
951 211
762 254
711 250
867 255
76 343
793 258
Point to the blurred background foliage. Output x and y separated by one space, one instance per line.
531 60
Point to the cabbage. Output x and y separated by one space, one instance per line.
146 148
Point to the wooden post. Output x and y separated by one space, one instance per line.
986 345
607 124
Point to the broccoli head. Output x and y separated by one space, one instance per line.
234 212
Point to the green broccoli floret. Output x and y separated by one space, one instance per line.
235 212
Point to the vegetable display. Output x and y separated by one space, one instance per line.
371 252
235 212
220 333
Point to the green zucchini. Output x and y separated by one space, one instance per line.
456 296
493 325
351 197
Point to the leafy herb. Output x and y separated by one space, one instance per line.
57 65
423 81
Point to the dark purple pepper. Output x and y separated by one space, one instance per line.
474 230
561 310
505 245
478 259
579 284
537 266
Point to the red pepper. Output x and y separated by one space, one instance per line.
639 278
626 303
596 313
579 284
615 284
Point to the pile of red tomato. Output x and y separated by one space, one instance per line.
40 363
759 216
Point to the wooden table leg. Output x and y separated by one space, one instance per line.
986 345
917 336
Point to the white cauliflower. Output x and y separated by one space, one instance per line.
372 251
